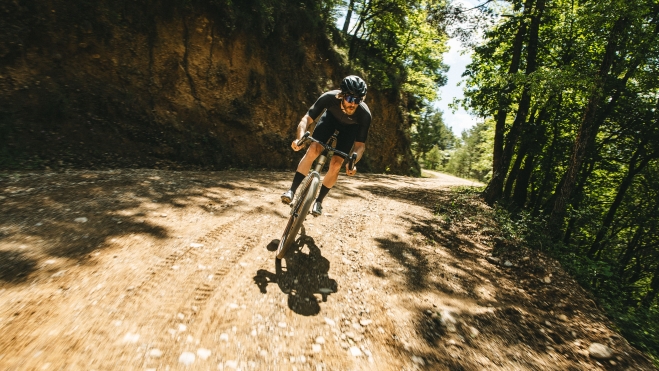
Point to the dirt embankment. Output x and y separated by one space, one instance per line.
170 85
165 270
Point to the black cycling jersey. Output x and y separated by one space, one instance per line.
335 116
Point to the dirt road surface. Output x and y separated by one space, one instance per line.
165 270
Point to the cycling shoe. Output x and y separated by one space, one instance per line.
287 197
317 209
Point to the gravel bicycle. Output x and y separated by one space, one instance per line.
309 190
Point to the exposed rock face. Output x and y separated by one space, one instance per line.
128 84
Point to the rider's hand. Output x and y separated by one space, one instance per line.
351 172
295 146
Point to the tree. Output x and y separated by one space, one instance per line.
572 88
396 42
473 155
429 132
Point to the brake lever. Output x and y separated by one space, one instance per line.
303 141
353 160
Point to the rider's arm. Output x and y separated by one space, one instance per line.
303 125
359 147
301 129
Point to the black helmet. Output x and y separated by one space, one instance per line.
353 85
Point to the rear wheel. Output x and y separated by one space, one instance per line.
298 214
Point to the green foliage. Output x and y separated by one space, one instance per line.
271 17
395 41
433 159
472 158
429 132
461 205
639 325
580 130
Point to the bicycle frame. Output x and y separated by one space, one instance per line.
308 191
320 161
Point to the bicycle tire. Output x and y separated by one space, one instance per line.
298 214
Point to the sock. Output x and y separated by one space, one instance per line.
297 179
323 192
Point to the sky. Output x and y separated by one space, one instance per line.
457 61
459 120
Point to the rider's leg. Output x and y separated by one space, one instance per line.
328 182
330 178
303 167
313 152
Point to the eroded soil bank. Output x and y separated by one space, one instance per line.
166 270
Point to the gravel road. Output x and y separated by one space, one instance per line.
166 270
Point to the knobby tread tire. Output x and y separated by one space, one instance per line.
298 214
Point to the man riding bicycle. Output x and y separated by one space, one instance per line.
345 111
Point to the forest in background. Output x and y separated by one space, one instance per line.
569 144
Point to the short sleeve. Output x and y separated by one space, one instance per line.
364 123
323 103
363 130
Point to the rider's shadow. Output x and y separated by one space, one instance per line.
300 275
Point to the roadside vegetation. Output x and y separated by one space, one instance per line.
568 92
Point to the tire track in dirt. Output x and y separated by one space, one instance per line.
179 314
179 308
173 275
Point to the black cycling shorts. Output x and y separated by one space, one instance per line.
345 139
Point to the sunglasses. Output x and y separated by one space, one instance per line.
352 99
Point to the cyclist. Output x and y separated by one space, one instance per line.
345 111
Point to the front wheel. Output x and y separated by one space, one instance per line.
298 214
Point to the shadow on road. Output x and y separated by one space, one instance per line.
300 275
68 216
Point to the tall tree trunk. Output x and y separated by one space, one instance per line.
576 203
346 23
548 160
512 176
523 179
534 141
352 50
588 128
522 151
495 187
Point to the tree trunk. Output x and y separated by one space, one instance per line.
547 162
522 151
493 190
587 130
632 246
495 187
523 179
576 203
352 51
534 141
512 176
346 23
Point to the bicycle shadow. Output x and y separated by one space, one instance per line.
301 276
